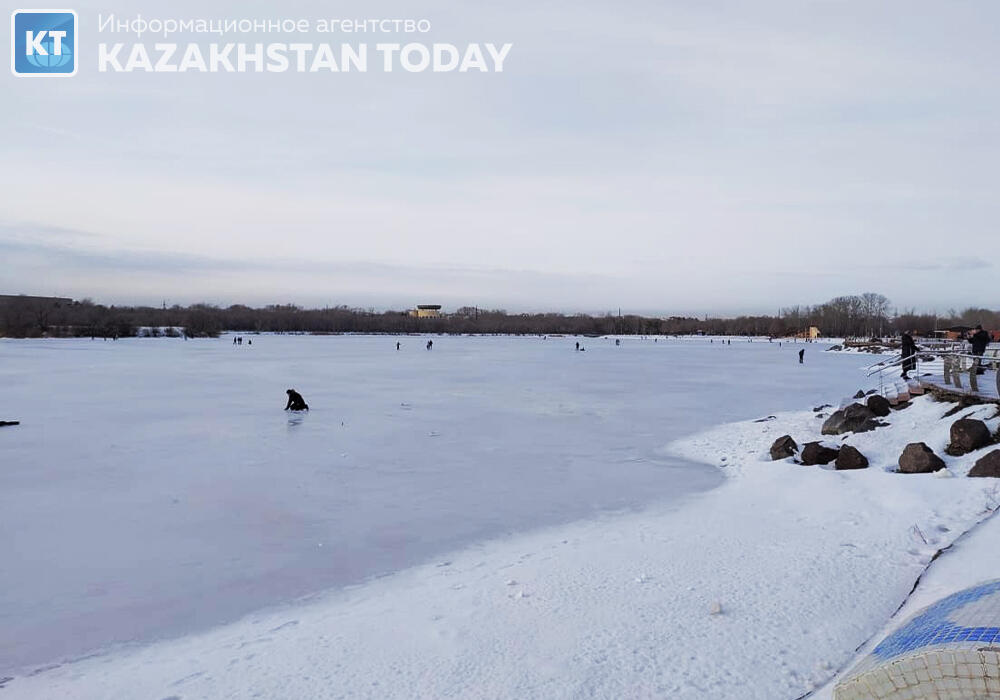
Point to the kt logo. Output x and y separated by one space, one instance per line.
43 42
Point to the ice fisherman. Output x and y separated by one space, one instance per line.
802 354
295 401
430 344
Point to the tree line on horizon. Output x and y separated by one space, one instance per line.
865 315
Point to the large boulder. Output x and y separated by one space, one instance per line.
856 418
783 448
879 405
987 465
816 453
850 458
968 434
918 458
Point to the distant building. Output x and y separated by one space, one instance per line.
426 311
812 332
957 332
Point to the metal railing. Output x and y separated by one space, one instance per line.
955 365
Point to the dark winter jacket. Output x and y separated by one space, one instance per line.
979 342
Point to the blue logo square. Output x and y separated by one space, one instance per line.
43 42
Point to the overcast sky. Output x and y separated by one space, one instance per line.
691 157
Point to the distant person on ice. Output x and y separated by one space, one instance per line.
430 344
802 354
908 350
397 345
295 401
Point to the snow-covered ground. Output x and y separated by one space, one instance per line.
805 564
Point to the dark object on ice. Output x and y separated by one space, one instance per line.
295 401
430 344
578 345
987 465
397 345
802 354
815 453
820 408
918 458
908 350
9 422
783 448
968 434
765 420
879 405
850 458
856 418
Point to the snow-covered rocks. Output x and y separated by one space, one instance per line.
879 405
856 418
850 457
967 435
783 448
817 453
987 465
918 458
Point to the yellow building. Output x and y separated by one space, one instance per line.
426 311
812 333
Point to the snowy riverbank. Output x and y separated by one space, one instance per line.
806 564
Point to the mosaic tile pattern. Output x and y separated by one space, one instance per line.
947 651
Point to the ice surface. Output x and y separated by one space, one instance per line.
155 486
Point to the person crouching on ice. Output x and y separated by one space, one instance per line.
295 401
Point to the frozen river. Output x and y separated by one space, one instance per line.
156 487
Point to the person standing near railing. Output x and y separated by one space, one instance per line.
909 350
979 340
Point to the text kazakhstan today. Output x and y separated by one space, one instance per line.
280 57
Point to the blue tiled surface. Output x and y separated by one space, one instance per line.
933 626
